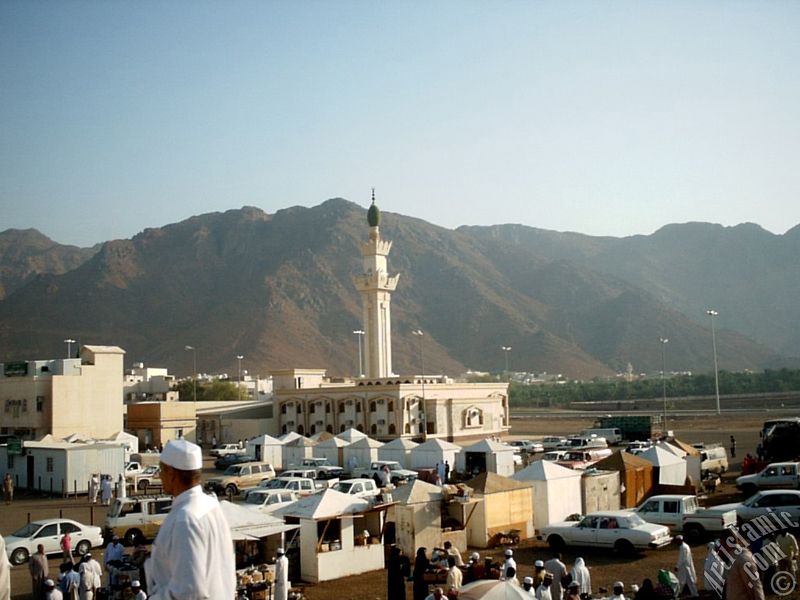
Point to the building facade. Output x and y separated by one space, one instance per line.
64 396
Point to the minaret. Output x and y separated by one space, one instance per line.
376 287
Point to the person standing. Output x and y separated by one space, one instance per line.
71 584
37 565
527 585
788 546
733 447
94 488
713 570
5 572
8 488
111 557
192 555
91 574
281 575
557 567
122 487
743 581
685 568
538 573
446 472
580 573
51 592
509 563
66 546
105 489
543 591
619 591
421 564
397 570
454 576
454 552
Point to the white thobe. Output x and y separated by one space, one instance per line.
5 572
281 578
580 574
90 572
54 594
122 488
192 556
543 593
105 491
685 567
558 569
510 562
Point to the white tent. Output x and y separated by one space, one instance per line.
399 449
130 441
486 455
556 491
351 435
295 451
289 436
690 455
361 453
333 450
493 589
671 469
428 454
266 449
249 525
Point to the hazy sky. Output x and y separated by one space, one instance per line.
607 118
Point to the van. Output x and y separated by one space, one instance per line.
713 459
612 434
137 518
241 476
584 441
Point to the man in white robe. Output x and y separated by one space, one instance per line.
192 556
5 572
685 568
281 591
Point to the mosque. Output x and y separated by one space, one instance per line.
380 403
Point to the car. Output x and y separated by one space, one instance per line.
239 477
681 512
137 518
266 501
223 462
621 530
359 487
526 446
554 455
553 443
149 477
48 532
784 475
225 449
302 486
765 501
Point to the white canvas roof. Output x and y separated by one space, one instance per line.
660 457
438 445
247 524
544 470
327 505
401 444
366 442
266 440
488 446
417 492
289 436
671 449
351 435
300 442
333 442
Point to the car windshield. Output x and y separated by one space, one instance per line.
344 487
633 520
28 530
272 484
233 470
114 510
256 498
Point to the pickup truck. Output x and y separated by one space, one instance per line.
782 475
224 449
682 513
148 478
302 486
375 471
324 470
361 488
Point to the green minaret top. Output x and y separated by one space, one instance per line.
374 213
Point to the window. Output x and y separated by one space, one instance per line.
373 429
283 409
392 429
69 527
39 403
391 406
372 406
671 506
651 506
311 409
358 407
327 408
48 531
49 464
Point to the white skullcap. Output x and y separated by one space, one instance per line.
279 551
538 563
619 584
136 583
509 552
183 455
475 556
49 583
528 580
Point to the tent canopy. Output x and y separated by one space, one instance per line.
545 470
250 525
327 505
493 589
488 446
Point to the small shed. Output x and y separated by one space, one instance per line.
351 435
556 491
333 450
266 448
507 504
690 455
417 515
486 455
600 490
635 473
340 535
399 449
431 453
296 450
669 469
128 440
361 453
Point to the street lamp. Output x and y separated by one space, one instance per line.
663 381
194 380
419 333
239 357
713 313
506 349
69 342
360 333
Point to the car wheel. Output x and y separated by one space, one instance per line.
19 556
133 537
556 542
694 533
83 547
231 490
624 547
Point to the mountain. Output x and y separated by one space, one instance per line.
277 289
24 254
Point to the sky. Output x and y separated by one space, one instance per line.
605 118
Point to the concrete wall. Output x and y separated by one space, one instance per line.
418 525
600 492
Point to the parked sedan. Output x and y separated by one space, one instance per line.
763 502
48 532
623 531
526 446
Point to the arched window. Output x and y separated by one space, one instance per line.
360 428
373 429
311 409
392 429
341 428
283 409
299 409
372 406
358 407
327 408
391 405
312 430
329 428
407 428
301 430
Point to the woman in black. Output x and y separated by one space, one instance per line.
397 570
421 564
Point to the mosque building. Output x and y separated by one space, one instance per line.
380 403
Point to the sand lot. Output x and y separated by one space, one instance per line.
605 567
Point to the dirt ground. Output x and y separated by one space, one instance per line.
605 567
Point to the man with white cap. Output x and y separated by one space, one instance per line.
527 585
51 592
538 573
557 567
192 556
136 588
618 588
543 591
510 562
281 575
685 568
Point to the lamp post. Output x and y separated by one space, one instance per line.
419 333
663 380
360 334
713 313
506 349
239 357
69 342
194 379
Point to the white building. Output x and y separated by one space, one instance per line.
144 384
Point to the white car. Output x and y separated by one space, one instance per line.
777 501
48 532
360 487
621 530
553 443
266 501
527 446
